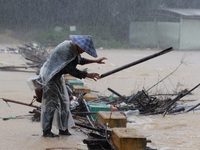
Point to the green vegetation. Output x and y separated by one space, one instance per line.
102 37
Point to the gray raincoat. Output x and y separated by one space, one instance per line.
55 100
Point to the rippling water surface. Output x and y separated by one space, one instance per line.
179 132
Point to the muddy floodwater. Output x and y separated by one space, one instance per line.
172 132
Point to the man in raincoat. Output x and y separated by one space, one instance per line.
55 99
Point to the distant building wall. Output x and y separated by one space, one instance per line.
142 34
184 35
190 35
168 34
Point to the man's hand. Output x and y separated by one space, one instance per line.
93 76
100 60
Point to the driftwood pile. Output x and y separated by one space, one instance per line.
34 57
151 104
35 54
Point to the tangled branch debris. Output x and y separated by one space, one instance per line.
36 54
33 55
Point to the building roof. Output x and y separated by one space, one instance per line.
183 13
175 13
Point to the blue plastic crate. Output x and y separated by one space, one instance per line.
75 82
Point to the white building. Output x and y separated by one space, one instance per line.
161 28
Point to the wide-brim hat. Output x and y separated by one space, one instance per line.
84 42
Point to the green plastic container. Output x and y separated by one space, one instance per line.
75 82
96 107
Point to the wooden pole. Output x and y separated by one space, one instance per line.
17 102
136 62
14 67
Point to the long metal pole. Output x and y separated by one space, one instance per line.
136 62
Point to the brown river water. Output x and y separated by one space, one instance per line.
172 132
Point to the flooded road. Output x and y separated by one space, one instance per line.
178 132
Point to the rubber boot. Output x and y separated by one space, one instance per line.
65 132
48 133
